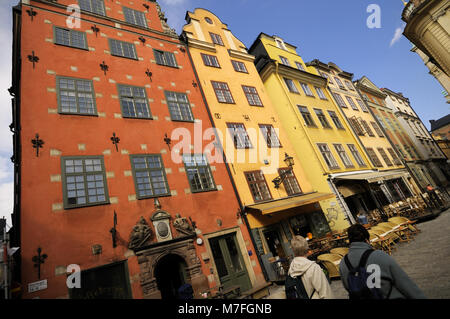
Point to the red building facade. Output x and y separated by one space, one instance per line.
100 182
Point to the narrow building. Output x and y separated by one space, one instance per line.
108 202
365 192
277 194
322 137
431 166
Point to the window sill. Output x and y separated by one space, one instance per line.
79 114
226 102
125 57
204 190
169 66
67 207
153 196
184 121
72 47
137 118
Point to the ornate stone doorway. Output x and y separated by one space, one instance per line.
170 274
181 251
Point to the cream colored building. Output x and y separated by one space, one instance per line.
430 167
428 27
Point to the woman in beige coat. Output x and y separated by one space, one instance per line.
313 278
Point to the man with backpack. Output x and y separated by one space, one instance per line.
362 265
306 279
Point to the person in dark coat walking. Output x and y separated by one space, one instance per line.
395 283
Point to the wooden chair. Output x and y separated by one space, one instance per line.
342 251
388 244
388 232
331 262
399 230
408 223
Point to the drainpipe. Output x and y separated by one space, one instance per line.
242 212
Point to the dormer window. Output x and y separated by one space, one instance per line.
280 44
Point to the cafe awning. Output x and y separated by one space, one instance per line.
372 177
348 190
290 202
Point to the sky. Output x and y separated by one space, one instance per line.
328 30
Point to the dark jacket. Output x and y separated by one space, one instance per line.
402 286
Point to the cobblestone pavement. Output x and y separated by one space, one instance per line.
426 260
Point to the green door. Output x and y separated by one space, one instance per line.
229 262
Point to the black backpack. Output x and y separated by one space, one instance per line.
357 280
295 289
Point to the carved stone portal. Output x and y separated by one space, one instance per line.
140 235
148 260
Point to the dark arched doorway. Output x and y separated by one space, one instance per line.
170 274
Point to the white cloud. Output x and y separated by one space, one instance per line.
6 168
397 35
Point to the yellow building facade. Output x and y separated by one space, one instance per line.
277 199
321 136
397 184
357 113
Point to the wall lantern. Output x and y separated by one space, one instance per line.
289 161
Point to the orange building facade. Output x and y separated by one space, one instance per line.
109 178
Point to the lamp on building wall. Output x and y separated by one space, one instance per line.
289 161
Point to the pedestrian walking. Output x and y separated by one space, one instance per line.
394 283
309 280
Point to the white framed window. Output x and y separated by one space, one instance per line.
320 93
328 156
306 89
